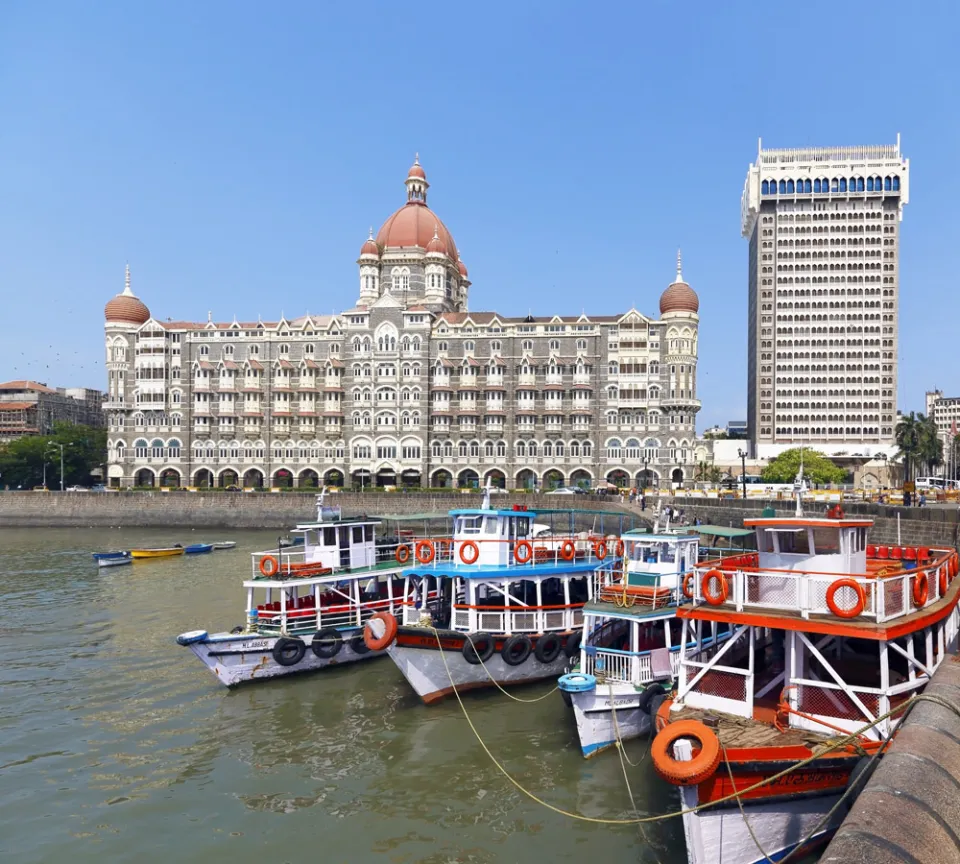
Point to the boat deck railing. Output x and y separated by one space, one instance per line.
627 667
507 619
878 598
474 550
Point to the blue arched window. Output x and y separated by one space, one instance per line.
789 187
833 185
816 185
806 186
783 187
843 184
886 184
896 184
860 184
765 188
869 184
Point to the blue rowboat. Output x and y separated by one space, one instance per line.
108 556
198 548
113 562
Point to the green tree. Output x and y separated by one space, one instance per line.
817 468
707 473
918 445
22 460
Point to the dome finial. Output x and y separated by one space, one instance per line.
679 266
370 237
127 291
416 158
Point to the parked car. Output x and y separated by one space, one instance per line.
77 489
232 489
40 489
566 490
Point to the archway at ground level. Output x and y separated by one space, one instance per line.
333 477
203 478
468 479
553 479
526 479
497 479
361 479
619 478
170 477
410 479
253 478
145 477
386 477
581 479
308 479
441 479
677 475
647 479
282 478
228 477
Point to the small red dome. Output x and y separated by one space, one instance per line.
416 171
126 308
679 297
463 269
436 245
370 248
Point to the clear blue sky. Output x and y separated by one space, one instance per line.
236 153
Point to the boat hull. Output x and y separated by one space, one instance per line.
114 562
595 722
155 553
721 836
241 658
433 679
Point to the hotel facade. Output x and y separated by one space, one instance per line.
407 388
824 290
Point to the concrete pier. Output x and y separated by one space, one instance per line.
909 811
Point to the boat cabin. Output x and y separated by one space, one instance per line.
495 533
821 545
348 544
659 560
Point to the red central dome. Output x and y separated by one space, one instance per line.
414 224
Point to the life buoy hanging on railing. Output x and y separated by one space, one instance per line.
720 597
524 547
921 589
568 550
600 549
425 551
852 611
687 586
269 566
466 545
402 554
618 551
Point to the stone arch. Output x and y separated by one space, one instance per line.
676 476
170 477
552 479
618 477
526 479
202 478
496 477
441 479
468 479
145 477
647 479
581 478
282 478
333 477
308 478
253 478
228 477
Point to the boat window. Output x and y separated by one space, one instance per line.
357 533
794 541
766 541
368 533
469 525
668 553
329 536
826 541
490 525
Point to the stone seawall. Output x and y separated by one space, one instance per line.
227 510
919 526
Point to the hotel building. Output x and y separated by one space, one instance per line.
824 285
407 388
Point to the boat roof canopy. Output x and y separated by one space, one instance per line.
806 522
479 511
721 531
639 534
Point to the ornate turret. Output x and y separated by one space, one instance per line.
126 307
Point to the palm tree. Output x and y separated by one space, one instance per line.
919 444
907 436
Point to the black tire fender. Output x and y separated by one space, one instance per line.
572 646
516 650
327 643
358 645
477 647
548 648
645 698
288 652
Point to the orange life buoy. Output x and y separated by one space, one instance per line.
600 549
425 552
857 607
619 550
721 596
389 631
943 581
523 545
568 550
269 566
691 772
688 585
402 554
921 589
954 564
469 544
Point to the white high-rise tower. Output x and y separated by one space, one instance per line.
824 231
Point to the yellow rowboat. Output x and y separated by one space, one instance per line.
163 552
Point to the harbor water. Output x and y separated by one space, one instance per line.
117 745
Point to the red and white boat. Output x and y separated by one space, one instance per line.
829 634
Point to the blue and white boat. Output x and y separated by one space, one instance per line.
198 548
107 556
505 598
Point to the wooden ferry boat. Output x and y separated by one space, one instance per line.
307 604
507 605
829 634
630 641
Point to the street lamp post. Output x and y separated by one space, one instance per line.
743 470
645 477
61 446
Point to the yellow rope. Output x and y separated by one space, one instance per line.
616 729
501 689
733 785
835 745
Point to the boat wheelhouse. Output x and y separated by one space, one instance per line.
829 636
630 640
306 604
507 603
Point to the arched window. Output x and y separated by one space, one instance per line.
462 448
765 188
173 448
558 449
632 449
613 448
587 448
120 449
521 448
843 184
448 449
532 448
789 187
140 448
574 448
435 450
896 184
474 449
548 449
501 448
816 185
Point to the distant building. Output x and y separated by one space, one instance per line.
407 388
737 429
945 412
824 273
31 408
